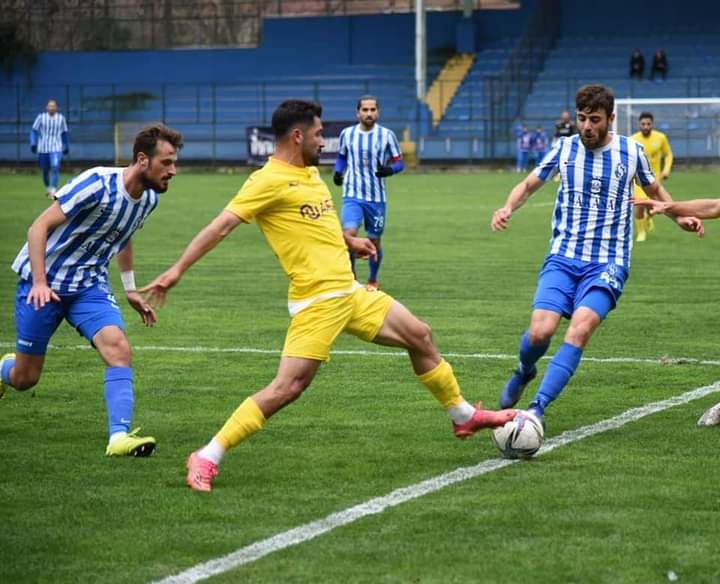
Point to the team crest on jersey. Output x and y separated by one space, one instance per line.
620 170
595 185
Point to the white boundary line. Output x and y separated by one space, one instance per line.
309 531
665 360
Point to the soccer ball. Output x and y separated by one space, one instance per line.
521 437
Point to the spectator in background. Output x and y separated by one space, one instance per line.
524 139
564 127
637 64
49 139
659 65
539 144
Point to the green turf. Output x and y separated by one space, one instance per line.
627 505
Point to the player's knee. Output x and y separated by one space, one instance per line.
115 350
540 334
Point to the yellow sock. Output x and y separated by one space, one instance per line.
650 224
243 423
443 385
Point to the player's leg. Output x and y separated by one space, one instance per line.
643 220
597 295
94 312
44 163
307 344
384 321
534 343
351 218
553 299
54 180
34 328
374 215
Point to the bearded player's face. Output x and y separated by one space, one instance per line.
159 168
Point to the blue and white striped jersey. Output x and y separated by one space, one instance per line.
365 153
593 215
50 130
101 218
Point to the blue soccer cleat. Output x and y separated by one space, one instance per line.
539 412
513 390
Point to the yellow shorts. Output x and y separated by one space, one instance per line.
313 331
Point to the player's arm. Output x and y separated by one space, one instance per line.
667 158
206 240
362 247
127 276
701 208
40 293
520 193
340 166
657 192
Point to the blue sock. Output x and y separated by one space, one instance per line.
119 398
529 354
558 374
5 372
375 266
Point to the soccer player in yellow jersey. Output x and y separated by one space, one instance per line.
294 209
658 151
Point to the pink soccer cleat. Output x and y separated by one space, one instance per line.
483 419
201 473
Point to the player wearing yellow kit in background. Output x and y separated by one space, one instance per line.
293 208
658 151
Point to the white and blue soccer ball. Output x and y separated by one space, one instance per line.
521 437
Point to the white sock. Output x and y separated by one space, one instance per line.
213 451
461 413
116 436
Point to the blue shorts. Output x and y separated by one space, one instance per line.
88 310
50 159
564 285
355 212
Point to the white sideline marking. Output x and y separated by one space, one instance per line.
384 353
303 533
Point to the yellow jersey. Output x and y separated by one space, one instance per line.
657 149
294 210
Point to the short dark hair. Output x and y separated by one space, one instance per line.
646 115
294 112
367 97
592 98
146 139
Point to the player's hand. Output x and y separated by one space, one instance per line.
692 224
338 178
500 219
653 207
33 149
156 291
384 171
362 247
146 312
40 295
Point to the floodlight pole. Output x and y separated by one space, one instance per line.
420 50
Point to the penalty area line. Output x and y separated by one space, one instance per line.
309 531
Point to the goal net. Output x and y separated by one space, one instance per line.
692 125
124 135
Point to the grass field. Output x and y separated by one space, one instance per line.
637 502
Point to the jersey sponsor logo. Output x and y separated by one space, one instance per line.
314 212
